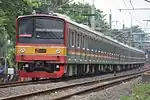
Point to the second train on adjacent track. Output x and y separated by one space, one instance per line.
53 46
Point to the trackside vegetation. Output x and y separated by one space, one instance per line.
140 92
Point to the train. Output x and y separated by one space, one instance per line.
53 46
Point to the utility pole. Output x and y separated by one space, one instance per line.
93 17
147 21
5 52
116 23
110 20
131 36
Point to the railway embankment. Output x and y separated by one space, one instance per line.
136 89
118 92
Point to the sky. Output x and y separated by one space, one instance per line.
124 17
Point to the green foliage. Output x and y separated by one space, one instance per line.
81 14
125 98
140 92
11 9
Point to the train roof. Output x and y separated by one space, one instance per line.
98 33
68 19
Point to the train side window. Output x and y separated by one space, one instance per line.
95 44
80 38
75 39
86 41
72 38
69 38
91 43
83 44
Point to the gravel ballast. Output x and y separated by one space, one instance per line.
113 93
29 88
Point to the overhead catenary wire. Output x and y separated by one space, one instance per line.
130 12
147 1
131 4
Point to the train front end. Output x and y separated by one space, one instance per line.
40 46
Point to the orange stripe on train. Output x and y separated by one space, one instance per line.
49 50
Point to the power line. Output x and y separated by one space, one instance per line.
131 4
136 9
125 4
130 12
147 1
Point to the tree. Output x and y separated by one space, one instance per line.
124 35
9 10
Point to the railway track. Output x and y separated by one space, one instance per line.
14 84
44 81
67 91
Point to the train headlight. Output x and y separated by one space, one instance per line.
26 65
22 50
57 66
58 51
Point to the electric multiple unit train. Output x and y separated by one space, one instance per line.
53 46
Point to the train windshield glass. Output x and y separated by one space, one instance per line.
41 30
25 26
49 28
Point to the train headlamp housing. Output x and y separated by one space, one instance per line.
57 66
22 50
58 51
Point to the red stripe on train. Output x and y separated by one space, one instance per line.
58 59
41 74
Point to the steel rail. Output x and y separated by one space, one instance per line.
14 84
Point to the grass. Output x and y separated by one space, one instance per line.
140 92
